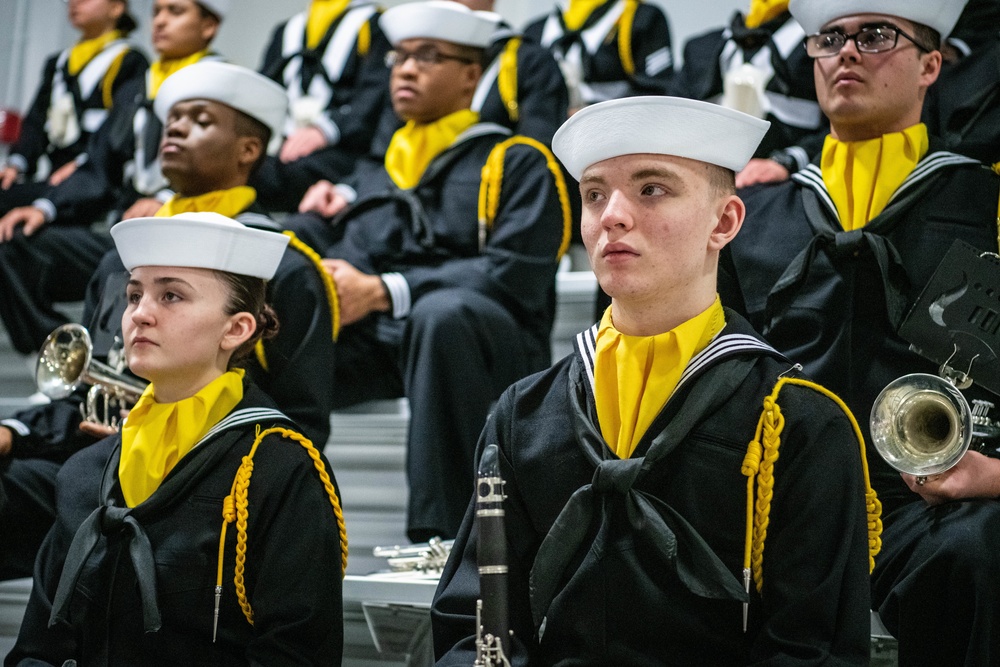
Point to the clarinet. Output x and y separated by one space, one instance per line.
492 619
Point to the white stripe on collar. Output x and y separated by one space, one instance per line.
721 346
244 416
812 175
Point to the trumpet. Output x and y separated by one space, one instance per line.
66 362
425 557
921 424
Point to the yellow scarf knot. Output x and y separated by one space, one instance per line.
578 11
322 14
414 145
862 176
161 69
156 436
762 11
635 375
85 51
229 203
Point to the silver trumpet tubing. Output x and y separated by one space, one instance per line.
425 557
493 635
921 424
66 362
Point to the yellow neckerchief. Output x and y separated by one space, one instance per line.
161 69
322 13
414 145
229 203
155 436
861 176
635 375
762 11
83 52
578 11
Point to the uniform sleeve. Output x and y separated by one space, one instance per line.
453 612
33 141
297 594
50 431
699 77
88 191
517 265
270 64
363 96
815 600
129 83
651 52
542 96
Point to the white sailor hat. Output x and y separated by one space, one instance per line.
941 15
439 19
217 7
199 240
238 87
660 125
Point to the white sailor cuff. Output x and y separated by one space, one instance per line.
399 294
47 208
329 128
349 194
18 161
17 426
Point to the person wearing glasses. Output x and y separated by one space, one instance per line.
829 264
444 256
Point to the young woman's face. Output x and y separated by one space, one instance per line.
180 28
177 333
94 17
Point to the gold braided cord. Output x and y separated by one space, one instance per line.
328 284
492 182
235 508
758 463
108 84
507 79
364 39
625 36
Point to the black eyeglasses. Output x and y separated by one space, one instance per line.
424 57
877 39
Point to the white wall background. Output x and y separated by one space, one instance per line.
30 30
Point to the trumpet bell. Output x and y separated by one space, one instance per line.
63 360
921 424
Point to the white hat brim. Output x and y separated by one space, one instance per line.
238 87
199 240
941 15
659 125
439 19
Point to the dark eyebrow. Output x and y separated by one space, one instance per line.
657 173
863 26
165 280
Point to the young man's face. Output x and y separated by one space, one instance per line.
651 225
180 28
202 149
423 90
866 95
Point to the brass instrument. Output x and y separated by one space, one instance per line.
425 557
921 424
66 362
